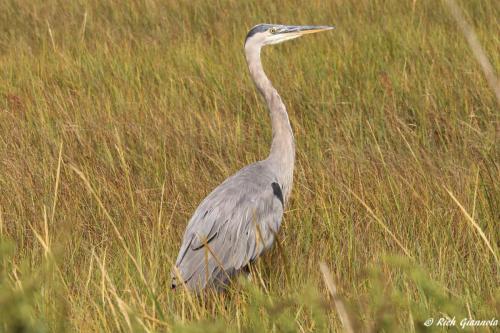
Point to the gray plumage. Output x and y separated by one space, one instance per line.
238 220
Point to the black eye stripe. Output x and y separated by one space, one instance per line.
256 29
260 28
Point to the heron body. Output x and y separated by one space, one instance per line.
238 220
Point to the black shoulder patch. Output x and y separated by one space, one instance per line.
278 193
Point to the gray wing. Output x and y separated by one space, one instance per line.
232 226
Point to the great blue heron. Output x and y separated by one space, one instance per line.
238 221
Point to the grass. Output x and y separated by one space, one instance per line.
117 118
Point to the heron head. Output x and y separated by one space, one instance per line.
268 34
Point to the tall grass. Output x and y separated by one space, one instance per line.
117 118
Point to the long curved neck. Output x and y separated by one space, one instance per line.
282 155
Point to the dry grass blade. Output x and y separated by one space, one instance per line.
56 186
1 221
186 293
208 250
110 219
339 305
476 226
476 47
122 306
382 224
51 36
45 243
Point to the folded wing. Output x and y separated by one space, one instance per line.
234 225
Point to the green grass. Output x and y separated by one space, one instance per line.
117 118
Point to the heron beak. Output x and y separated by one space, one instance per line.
289 32
306 29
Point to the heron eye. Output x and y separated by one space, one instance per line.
272 30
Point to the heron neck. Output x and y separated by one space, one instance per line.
282 154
